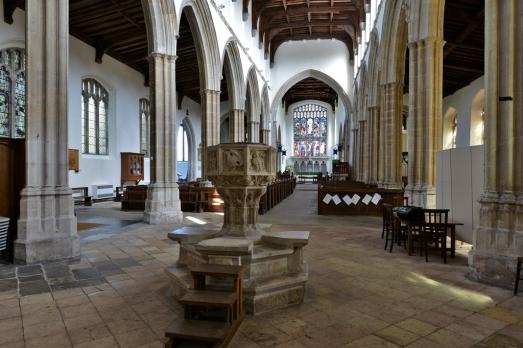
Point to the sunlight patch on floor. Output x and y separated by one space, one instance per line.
464 294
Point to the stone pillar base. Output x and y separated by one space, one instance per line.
163 205
497 270
47 226
421 197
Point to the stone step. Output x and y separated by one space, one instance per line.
215 270
198 330
280 282
208 298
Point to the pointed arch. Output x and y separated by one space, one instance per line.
161 23
252 87
207 49
232 64
317 75
394 43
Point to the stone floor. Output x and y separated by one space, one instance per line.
116 294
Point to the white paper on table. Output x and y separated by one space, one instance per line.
327 199
347 200
336 199
376 199
355 199
366 200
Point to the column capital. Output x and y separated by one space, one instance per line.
206 91
431 40
170 57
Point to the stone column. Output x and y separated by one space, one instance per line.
365 144
265 136
355 154
210 123
374 144
236 126
498 241
391 138
47 225
254 132
424 122
163 198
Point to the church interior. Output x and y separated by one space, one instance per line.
261 173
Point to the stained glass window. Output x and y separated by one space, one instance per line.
95 101
12 93
144 126
310 130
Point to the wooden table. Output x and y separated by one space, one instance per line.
410 242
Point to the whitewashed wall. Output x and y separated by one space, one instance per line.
125 87
462 101
330 57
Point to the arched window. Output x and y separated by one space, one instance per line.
144 126
95 101
12 93
183 165
182 145
310 130
450 128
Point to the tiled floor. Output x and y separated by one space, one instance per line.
358 295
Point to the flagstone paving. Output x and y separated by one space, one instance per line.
358 295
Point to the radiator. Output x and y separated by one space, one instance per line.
102 191
4 230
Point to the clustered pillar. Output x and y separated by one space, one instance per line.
390 141
236 126
499 239
425 108
47 224
210 123
163 202
373 144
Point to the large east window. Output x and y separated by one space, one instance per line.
310 130
95 101
144 126
12 93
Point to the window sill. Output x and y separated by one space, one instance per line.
100 157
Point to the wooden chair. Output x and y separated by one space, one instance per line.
391 229
434 230
518 275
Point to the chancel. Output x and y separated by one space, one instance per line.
261 173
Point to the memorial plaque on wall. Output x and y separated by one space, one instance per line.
74 160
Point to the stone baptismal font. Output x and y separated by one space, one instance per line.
275 273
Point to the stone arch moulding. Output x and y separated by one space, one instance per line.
161 23
234 69
207 49
342 95
252 82
394 43
265 108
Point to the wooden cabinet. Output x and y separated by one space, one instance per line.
12 181
132 167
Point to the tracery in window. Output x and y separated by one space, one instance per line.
95 100
144 126
310 130
12 93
